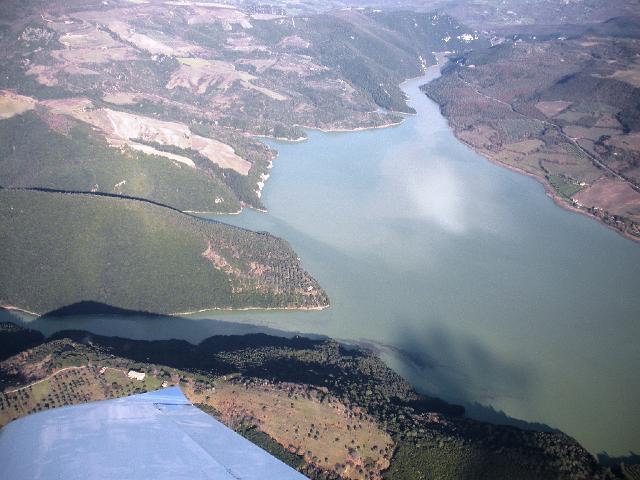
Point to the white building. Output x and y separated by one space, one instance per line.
133 375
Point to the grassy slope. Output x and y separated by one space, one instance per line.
32 155
58 249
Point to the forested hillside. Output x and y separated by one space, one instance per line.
59 249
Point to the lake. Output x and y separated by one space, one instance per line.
469 280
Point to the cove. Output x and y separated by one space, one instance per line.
466 277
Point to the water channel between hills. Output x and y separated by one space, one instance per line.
477 285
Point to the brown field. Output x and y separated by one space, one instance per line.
478 136
525 146
48 74
301 65
198 75
265 91
265 16
612 195
153 151
331 433
572 117
527 163
75 107
551 109
630 75
85 46
159 45
570 163
244 43
83 35
629 141
121 126
590 43
217 13
45 75
77 56
13 104
608 121
524 155
593 133
294 41
261 64
122 98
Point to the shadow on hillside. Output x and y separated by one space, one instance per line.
77 322
96 308
631 459
443 349
489 414
103 319
15 340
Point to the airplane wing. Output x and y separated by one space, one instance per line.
157 435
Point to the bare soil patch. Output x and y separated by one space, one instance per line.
198 75
13 104
122 128
551 109
612 195
326 432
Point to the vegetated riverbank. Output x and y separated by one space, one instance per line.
551 192
560 126
330 411
250 309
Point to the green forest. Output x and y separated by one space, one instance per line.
59 249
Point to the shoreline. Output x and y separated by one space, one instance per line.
549 192
196 212
252 309
439 56
552 194
283 139
13 308
357 129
